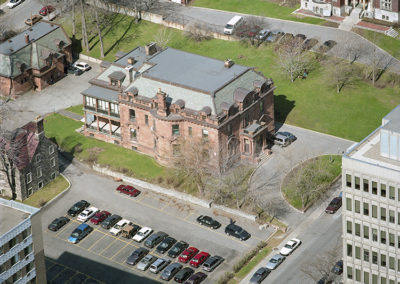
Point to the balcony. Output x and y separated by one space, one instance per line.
92 108
114 114
102 111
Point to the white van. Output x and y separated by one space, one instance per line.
232 24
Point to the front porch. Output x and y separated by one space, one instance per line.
102 125
253 141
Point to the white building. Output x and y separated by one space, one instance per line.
21 244
371 211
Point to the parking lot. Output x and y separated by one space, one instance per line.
101 249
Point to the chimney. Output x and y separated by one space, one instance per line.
131 60
39 126
228 63
26 38
150 48
162 103
129 71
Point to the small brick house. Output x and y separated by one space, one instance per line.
33 156
35 58
148 100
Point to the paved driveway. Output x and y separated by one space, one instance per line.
268 177
100 253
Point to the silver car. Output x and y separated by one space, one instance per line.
159 265
275 261
146 262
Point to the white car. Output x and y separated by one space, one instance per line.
290 247
13 3
87 214
82 66
142 234
117 229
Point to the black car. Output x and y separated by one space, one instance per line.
78 208
165 244
73 70
259 275
237 231
212 262
58 223
137 255
196 278
338 268
208 221
110 221
177 249
183 274
274 36
155 239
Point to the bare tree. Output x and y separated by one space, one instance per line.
250 29
138 6
198 32
6 32
84 29
292 58
341 74
351 49
163 37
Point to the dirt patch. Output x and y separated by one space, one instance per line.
330 24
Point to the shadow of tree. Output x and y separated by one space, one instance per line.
282 107
123 37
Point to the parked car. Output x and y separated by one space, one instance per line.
79 233
170 271
208 221
46 10
58 223
177 249
211 263
33 20
129 230
327 45
338 267
116 230
13 3
188 254
110 221
82 66
274 36
100 217
159 265
87 214
183 274
237 231
128 190
259 275
142 234
334 205
275 261
199 259
155 239
137 255
196 278
288 135
309 43
78 208
146 262
73 70
290 247
262 35
165 245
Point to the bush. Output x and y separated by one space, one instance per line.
41 202
225 278
248 256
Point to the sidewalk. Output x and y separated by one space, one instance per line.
69 114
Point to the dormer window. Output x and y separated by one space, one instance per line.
114 83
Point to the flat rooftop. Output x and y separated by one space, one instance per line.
368 151
12 213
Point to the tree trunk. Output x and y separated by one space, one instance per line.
99 32
337 88
84 31
73 20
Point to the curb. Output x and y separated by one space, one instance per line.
48 203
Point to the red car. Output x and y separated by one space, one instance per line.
100 217
128 190
335 204
188 254
46 10
199 259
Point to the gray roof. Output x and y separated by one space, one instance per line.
10 217
35 32
240 94
192 70
252 127
101 93
139 54
392 120
117 75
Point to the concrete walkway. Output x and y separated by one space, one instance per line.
352 20
69 114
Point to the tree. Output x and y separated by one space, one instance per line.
5 32
250 29
351 49
292 58
84 29
198 32
341 74
138 6
163 37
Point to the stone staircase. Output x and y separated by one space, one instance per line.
350 21
392 33
262 157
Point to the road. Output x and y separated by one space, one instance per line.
320 234
15 18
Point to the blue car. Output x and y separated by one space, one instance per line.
79 233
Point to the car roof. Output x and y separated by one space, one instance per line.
82 226
145 229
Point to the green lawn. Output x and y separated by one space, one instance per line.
387 43
62 130
309 103
331 169
78 109
257 7
51 190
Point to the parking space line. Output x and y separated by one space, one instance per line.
64 228
119 251
107 247
165 206
64 268
96 242
187 217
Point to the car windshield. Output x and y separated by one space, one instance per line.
288 246
76 233
163 245
229 26
273 260
175 249
118 227
75 207
140 234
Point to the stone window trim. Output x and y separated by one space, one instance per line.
53 162
28 178
39 172
204 133
53 175
51 149
29 191
38 159
40 184
175 130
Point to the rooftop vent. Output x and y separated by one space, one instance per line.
26 38
228 63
